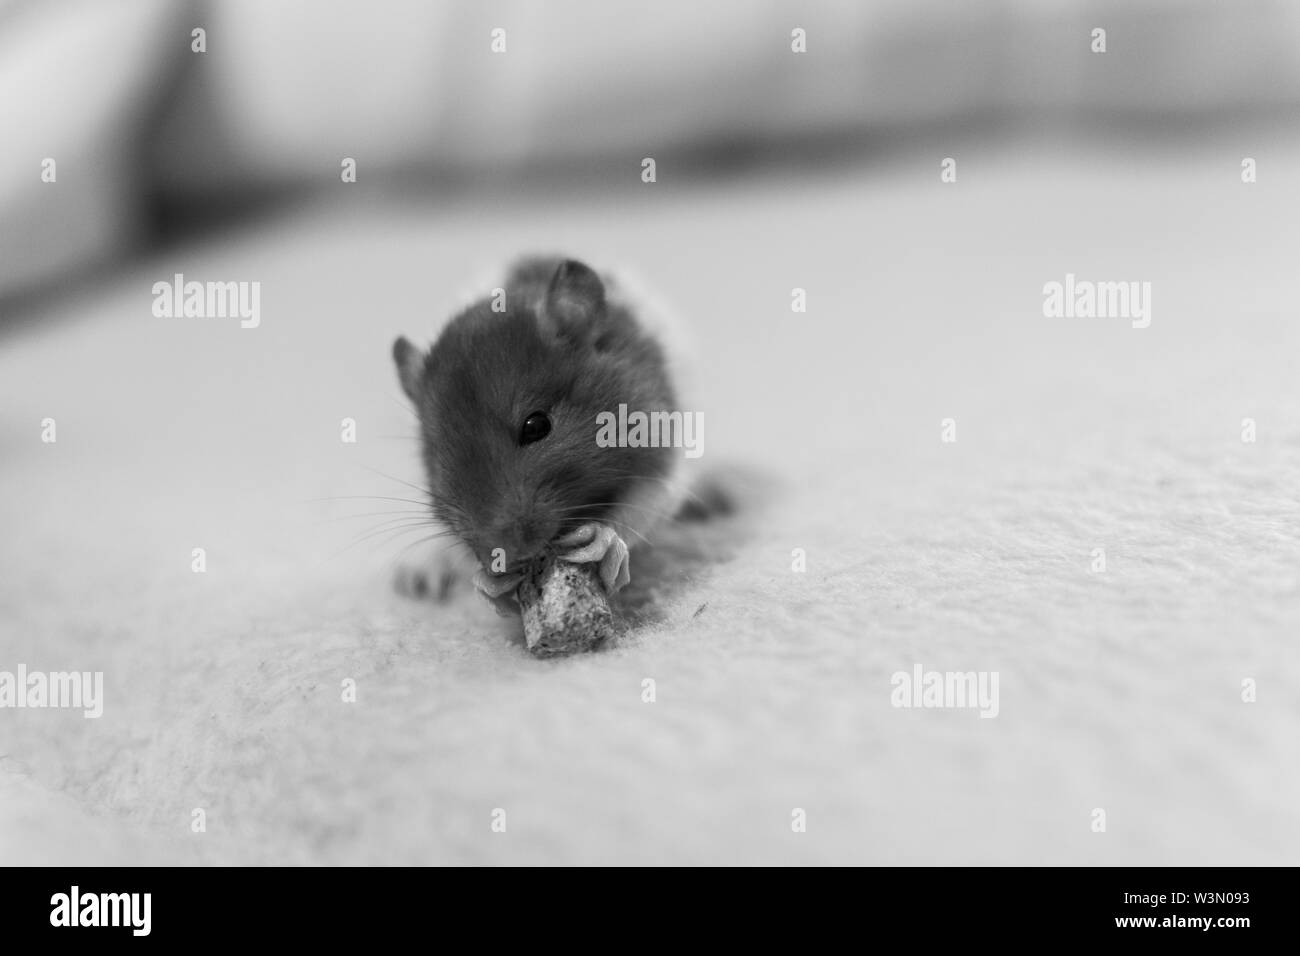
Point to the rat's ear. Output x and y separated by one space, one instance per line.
575 299
410 366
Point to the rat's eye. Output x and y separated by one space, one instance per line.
536 427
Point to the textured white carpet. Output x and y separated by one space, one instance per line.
1118 690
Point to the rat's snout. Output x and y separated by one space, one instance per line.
515 543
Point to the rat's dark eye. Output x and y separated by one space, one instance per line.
536 427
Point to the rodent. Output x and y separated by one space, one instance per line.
507 401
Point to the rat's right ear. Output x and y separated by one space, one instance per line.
575 300
410 366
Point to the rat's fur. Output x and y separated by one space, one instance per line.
561 346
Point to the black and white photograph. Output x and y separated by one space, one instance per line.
599 433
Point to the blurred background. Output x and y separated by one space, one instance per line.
154 140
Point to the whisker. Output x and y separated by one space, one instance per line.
377 514
400 481
389 528
409 501
405 519
678 486
579 522
657 512
397 557
409 410
396 533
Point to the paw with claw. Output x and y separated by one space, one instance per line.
435 579
499 589
598 543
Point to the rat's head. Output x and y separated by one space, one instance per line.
508 403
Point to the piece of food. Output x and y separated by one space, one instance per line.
565 609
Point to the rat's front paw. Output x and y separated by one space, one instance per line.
597 542
421 583
499 589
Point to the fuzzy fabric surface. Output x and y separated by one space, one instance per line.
1120 690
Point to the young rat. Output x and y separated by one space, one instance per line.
508 399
